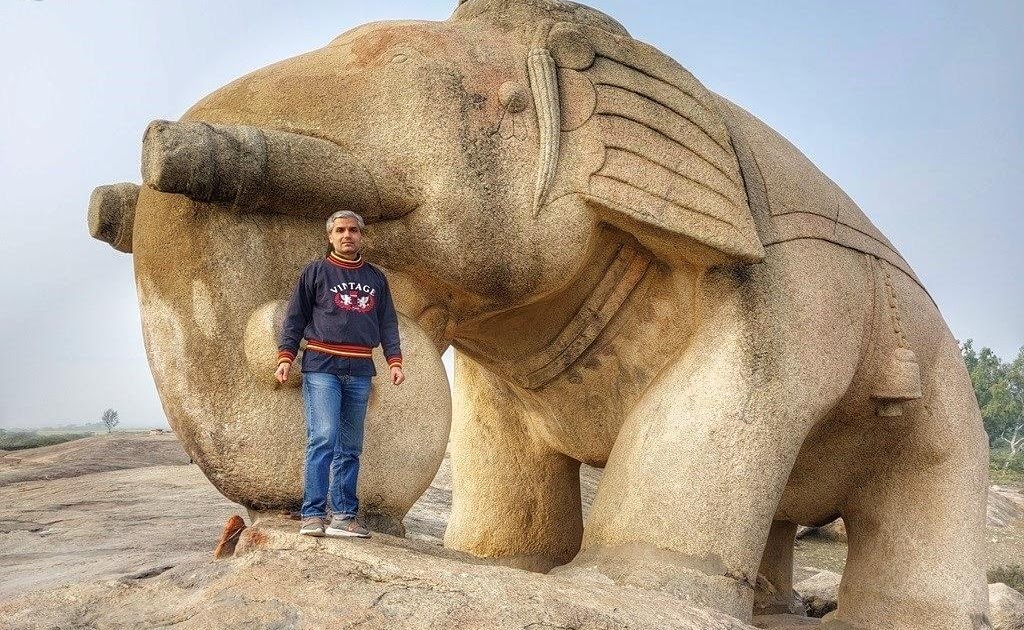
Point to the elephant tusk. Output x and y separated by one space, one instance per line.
544 85
254 169
112 214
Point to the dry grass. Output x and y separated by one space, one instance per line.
1011 575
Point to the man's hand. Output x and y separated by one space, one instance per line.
397 375
281 374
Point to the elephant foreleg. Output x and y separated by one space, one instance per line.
514 499
692 484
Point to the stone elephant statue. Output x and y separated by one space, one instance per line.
635 273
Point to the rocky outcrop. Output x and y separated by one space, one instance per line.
819 592
134 548
106 525
1005 506
283 580
100 453
1005 607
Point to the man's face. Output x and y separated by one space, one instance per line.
346 238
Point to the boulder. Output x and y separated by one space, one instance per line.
834 531
819 592
1005 506
1005 607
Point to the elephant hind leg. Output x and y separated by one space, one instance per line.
514 499
916 528
773 592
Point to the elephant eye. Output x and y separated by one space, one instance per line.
403 52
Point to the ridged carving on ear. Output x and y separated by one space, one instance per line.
669 161
544 86
666 157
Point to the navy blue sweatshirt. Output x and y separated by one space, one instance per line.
343 309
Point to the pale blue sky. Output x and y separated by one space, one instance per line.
915 108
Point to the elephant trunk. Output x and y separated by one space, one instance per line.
112 214
255 169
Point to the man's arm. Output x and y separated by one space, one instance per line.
300 311
389 340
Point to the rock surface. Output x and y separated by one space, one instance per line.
785 622
1005 506
819 592
128 548
133 547
141 519
344 583
1006 607
100 453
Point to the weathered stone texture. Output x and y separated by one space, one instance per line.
636 274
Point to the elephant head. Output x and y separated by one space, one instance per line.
488 154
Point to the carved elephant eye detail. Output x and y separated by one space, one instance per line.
513 97
402 53
514 100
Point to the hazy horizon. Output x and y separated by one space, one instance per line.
86 427
916 109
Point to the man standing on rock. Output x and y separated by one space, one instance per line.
342 308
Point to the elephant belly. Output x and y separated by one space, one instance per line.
589 442
837 456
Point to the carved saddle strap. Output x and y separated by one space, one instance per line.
624 273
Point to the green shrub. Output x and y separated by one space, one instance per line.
999 456
14 441
1011 575
1001 474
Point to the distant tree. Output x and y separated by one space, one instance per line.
1015 441
1011 407
110 420
999 388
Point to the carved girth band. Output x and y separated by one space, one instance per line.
625 272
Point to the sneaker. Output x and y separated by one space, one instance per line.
312 526
346 526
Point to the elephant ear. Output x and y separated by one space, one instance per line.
660 155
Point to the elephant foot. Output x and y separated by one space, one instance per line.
537 563
769 601
697 581
829 622
384 523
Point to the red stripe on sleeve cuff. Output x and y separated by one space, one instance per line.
393 361
285 356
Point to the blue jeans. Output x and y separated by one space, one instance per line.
335 410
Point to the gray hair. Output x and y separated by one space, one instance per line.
345 214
